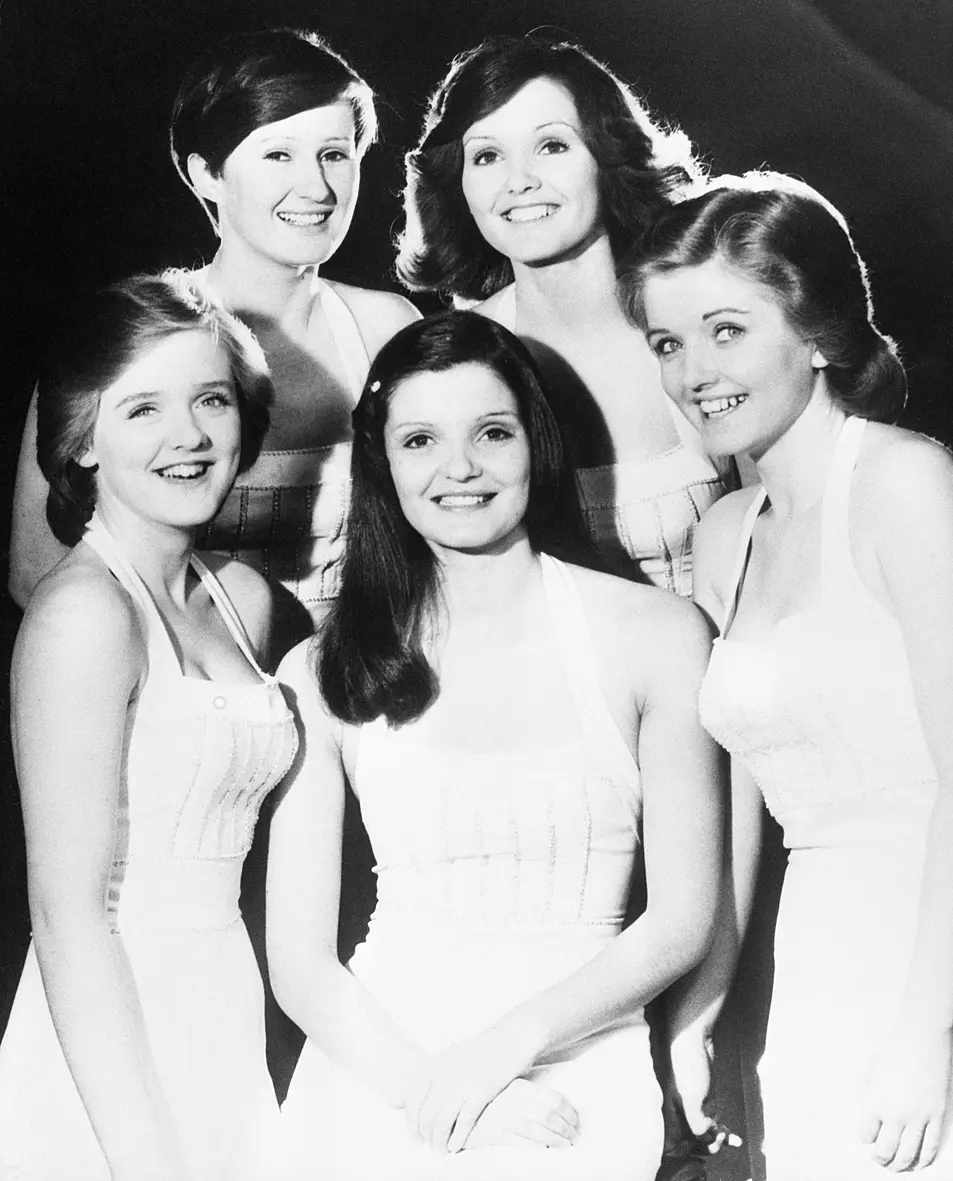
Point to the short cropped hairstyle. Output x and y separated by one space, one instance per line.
104 334
643 167
372 661
781 233
253 79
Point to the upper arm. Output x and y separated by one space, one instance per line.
33 549
681 770
304 854
910 511
75 666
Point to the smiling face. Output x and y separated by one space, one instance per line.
530 181
729 356
287 192
459 457
167 438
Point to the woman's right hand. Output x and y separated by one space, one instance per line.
691 1057
524 1114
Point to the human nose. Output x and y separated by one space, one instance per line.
186 432
522 175
698 369
461 463
310 181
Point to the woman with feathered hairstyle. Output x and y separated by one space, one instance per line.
536 174
510 724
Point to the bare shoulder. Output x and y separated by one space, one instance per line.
79 613
493 308
247 591
630 619
903 480
379 314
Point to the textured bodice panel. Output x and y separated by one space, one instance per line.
532 838
198 759
821 709
286 517
823 716
642 516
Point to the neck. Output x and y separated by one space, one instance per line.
257 288
481 586
570 293
794 469
160 554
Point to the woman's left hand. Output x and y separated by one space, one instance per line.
447 1095
906 1097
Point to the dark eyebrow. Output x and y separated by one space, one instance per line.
721 312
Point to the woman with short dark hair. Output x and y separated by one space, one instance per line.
146 737
514 727
536 174
831 684
268 131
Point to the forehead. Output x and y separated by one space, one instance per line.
334 121
695 291
182 360
465 391
542 100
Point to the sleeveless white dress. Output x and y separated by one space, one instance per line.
821 711
286 515
199 758
499 873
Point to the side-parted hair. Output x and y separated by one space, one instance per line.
372 660
781 233
252 79
643 166
105 333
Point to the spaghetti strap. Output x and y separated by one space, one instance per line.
837 566
742 555
574 643
346 333
230 616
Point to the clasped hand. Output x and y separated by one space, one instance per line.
906 1097
476 1086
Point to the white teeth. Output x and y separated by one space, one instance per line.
715 406
461 500
305 219
530 213
185 471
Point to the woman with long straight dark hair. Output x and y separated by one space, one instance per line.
512 726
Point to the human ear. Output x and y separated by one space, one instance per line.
818 360
203 181
88 459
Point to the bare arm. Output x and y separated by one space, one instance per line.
33 549
304 881
80 645
911 520
682 848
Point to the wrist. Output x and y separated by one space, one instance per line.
526 1030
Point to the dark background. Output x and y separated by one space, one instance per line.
855 96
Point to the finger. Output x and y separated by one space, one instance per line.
553 1101
908 1149
868 1128
885 1146
413 1103
699 1124
547 1135
555 1123
930 1144
463 1126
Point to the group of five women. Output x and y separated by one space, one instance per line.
444 533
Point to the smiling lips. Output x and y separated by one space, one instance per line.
718 407
185 471
463 499
524 213
306 220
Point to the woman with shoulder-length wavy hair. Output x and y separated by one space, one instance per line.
536 174
832 682
511 725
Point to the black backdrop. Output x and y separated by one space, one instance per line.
856 96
